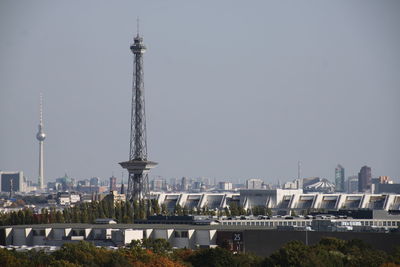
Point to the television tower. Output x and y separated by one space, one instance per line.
138 166
40 136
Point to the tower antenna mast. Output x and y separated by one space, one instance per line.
138 166
137 27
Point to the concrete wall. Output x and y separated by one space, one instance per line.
125 236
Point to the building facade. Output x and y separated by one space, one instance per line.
254 184
339 178
12 182
364 179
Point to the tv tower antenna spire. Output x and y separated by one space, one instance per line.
137 27
138 166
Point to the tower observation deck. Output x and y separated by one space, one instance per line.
138 166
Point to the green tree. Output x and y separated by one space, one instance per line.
158 246
21 217
149 208
156 206
214 257
59 217
178 210
234 209
164 210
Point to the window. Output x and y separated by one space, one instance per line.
184 234
39 233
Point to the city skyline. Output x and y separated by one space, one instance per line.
302 76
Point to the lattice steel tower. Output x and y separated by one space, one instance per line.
138 166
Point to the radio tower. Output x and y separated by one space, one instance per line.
40 136
138 166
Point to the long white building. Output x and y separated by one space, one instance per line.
280 199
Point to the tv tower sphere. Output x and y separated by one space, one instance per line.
40 135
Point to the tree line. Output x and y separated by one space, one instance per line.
158 252
122 212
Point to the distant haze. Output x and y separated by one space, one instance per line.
234 89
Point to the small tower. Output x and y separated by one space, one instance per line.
122 186
40 136
138 166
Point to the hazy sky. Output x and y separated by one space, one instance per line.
234 89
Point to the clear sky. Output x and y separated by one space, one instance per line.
234 89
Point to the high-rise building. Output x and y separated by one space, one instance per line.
185 184
113 183
12 181
352 184
339 178
364 179
40 136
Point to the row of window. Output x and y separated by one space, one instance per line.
308 223
270 223
380 223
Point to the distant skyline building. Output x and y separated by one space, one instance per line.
339 178
12 181
94 181
225 186
352 184
113 183
364 179
385 180
157 185
185 184
41 136
254 184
